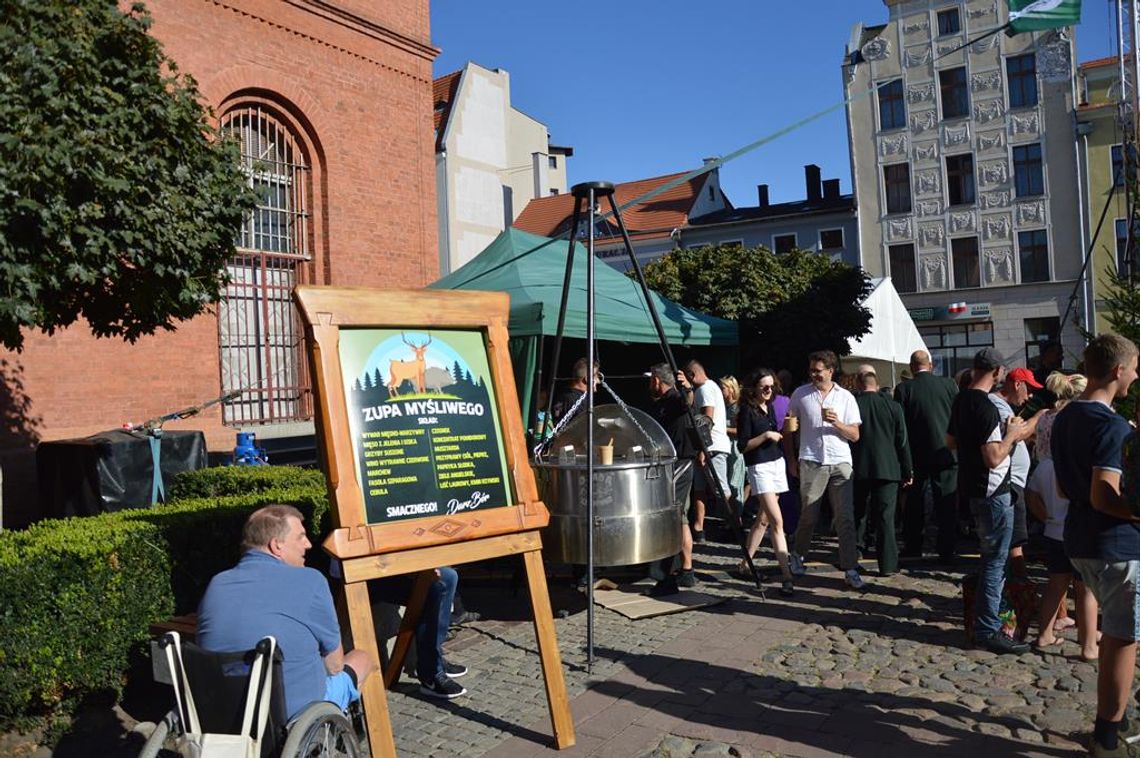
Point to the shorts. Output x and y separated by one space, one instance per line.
1114 587
1056 562
720 468
341 689
771 476
1020 529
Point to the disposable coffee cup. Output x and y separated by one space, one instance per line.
791 423
606 455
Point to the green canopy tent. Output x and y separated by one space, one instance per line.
531 269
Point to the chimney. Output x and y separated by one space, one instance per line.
812 179
762 194
831 189
710 159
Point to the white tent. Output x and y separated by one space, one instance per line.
893 336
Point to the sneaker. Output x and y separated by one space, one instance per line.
796 564
854 581
442 688
686 578
454 670
1001 644
698 536
787 589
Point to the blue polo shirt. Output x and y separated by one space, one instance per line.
263 596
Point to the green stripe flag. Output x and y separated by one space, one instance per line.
1033 15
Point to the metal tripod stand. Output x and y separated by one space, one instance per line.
588 195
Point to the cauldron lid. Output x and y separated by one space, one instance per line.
628 428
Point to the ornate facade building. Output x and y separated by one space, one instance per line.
963 150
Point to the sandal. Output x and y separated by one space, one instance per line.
1061 625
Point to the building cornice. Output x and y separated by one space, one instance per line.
366 27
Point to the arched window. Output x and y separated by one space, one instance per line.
261 340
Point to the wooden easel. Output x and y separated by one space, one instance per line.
420 545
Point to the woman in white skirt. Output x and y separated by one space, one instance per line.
758 440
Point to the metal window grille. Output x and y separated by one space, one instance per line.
260 333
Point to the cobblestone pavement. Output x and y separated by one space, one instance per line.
828 672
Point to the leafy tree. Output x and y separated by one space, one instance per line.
118 202
787 305
1122 311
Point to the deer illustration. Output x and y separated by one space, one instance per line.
414 370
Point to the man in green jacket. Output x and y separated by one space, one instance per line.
926 402
882 462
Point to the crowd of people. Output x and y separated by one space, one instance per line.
998 443
986 450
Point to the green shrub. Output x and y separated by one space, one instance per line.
242 480
78 595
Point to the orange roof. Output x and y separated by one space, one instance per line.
442 93
548 216
1099 62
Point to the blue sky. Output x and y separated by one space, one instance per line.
641 88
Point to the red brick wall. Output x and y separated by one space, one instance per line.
355 81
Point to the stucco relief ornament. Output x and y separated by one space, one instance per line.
991 141
928 208
933 272
985 80
994 172
877 49
988 111
898 229
1053 63
926 152
997 228
993 200
931 235
1027 123
921 122
952 137
928 183
915 57
892 145
984 45
917 27
920 93
999 265
1031 213
961 222
980 11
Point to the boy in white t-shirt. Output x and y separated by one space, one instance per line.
1044 501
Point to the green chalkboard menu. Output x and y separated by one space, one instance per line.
424 420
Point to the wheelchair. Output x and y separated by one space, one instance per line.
240 709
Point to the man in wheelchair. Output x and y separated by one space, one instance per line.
271 592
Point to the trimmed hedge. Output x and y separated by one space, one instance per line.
77 595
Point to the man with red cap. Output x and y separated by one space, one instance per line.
1010 398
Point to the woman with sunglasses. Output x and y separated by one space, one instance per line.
760 442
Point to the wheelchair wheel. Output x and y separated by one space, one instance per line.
156 742
321 731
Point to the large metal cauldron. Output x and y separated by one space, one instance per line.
635 519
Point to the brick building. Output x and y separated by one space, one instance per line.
333 104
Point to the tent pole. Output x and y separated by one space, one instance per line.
591 357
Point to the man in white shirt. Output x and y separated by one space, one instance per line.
708 400
828 423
